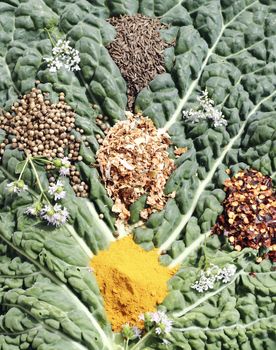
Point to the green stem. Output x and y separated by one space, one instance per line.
142 340
23 169
43 160
50 37
42 192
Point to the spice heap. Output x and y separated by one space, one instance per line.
249 216
131 281
103 123
44 130
134 161
138 51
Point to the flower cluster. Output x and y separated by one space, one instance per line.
212 275
54 214
159 320
64 56
63 165
130 333
205 111
17 186
57 190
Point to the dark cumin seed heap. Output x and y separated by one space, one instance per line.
138 51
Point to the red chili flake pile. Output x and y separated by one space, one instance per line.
134 161
249 216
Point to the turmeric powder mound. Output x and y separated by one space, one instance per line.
131 281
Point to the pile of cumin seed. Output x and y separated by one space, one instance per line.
138 51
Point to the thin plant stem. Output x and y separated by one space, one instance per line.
23 169
142 340
47 161
42 192
50 37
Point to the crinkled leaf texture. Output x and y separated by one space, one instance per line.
49 298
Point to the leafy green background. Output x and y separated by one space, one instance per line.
49 299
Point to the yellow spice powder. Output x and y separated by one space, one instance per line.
131 280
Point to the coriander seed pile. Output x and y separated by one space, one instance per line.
42 128
138 51
249 216
134 161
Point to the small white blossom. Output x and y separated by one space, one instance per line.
64 56
17 186
137 332
63 171
158 330
157 316
129 332
205 111
34 210
168 325
65 167
213 274
204 283
225 274
55 215
162 322
57 190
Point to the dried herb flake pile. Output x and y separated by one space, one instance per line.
249 216
131 281
134 161
138 51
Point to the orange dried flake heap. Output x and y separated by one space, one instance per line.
249 216
134 161
131 281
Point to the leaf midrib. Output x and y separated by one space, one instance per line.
203 184
53 278
183 101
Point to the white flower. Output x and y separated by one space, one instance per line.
206 111
226 274
168 325
65 167
137 332
57 190
34 210
162 321
129 332
64 171
158 330
17 186
204 283
55 215
64 56
213 274
157 316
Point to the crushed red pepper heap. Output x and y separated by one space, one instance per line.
134 161
249 216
